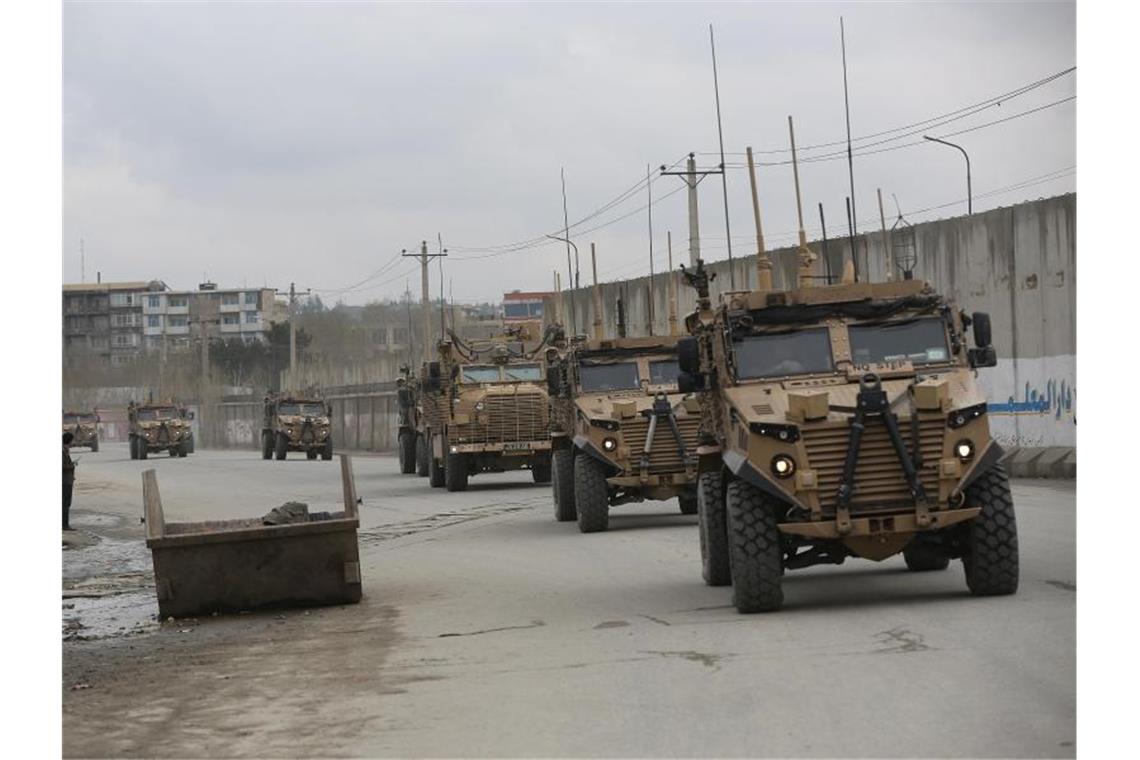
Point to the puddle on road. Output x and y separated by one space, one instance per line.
108 583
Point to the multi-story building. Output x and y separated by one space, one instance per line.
173 318
120 321
104 319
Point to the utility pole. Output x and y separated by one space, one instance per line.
649 208
424 257
293 293
969 190
692 178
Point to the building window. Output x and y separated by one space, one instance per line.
124 320
153 321
230 319
251 299
153 302
380 337
120 299
251 318
229 299
176 321
124 340
178 302
400 335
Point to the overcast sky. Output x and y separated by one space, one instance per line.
259 144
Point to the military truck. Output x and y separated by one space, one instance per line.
84 428
296 423
407 387
484 409
844 421
623 431
156 427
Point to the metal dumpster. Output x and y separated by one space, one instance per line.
235 565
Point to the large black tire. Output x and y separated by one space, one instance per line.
540 468
688 501
94 445
562 480
436 471
327 451
182 452
310 454
407 446
281 447
141 447
173 451
991 560
920 558
753 549
455 472
422 464
266 444
591 498
713 529
132 446
190 447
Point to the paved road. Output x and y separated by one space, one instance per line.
489 629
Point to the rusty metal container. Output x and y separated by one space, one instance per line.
236 565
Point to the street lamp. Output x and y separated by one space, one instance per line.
573 281
969 192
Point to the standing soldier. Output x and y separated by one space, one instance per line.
68 479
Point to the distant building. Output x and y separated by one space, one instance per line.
104 319
120 321
519 306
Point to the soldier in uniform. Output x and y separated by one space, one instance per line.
68 479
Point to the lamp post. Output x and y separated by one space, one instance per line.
574 284
969 191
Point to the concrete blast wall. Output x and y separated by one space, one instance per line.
1017 263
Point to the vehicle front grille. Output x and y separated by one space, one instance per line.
509 417
664 457
879 478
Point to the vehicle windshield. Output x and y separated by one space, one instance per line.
84 419
149 415
475 373
608 377
522 372
664 372
922 341
802 352
301 409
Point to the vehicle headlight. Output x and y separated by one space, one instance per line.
454 449
783 466
609 444
964 449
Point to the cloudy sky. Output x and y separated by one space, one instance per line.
263 144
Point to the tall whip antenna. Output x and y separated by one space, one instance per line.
723 174
850 160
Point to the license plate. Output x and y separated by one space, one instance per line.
516 446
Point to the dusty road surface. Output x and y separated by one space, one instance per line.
489 629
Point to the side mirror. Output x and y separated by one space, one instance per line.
982 357
687 382
688 355
983 334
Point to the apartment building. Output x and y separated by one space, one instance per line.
104 319
175 318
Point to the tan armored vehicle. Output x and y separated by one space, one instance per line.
484 409
84 428
623 431
296 423
844 421
159 427
407 392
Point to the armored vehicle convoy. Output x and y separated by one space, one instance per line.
296 423
844 420
407 388
84 427
623 432
159 427
484 409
